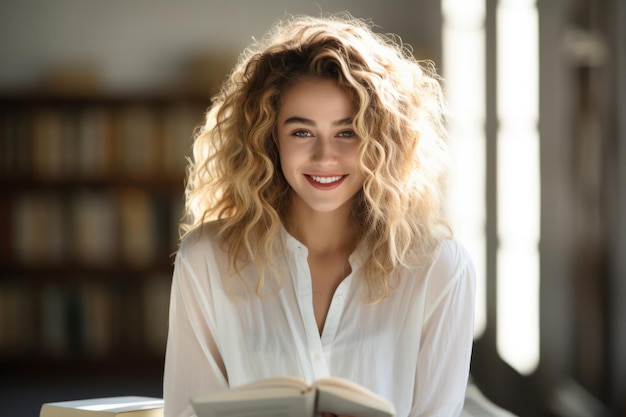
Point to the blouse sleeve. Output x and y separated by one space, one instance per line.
447 334
193 364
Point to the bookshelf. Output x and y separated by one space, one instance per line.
92 193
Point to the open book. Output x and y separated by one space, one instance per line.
293 397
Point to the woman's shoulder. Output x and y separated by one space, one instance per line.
450 261
202 237
453 253
451 268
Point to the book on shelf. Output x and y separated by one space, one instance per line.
77 319
17 316
140 233
179 127
139 140
127 406
52 143
95 144
94 231
293 397
37 227
15 128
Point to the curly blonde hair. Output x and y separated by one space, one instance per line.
235 173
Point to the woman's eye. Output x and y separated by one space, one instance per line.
347 134
301 134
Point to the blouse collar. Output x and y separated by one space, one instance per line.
295 247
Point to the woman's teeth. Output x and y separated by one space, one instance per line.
326 180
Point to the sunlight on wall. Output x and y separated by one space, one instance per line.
464 72
518 192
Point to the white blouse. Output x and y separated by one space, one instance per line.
412 348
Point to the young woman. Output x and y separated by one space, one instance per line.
316 244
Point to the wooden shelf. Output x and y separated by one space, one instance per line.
22 183
93 190
133 363
69 272
81 99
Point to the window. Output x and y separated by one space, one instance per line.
516 188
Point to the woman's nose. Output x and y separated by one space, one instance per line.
323 151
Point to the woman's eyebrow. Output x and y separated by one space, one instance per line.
343 122
299 121
309 122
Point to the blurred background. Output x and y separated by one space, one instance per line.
98 104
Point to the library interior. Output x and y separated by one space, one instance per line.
99 103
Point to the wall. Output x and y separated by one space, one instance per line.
145 44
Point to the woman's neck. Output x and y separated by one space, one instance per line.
322 232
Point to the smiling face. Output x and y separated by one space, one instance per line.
318 146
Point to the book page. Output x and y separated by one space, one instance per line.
346 384
345 400
287 382
286 406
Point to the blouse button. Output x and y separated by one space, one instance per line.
316 356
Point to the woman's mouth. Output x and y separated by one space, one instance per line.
325 182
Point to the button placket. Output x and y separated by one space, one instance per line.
334 316
316 356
